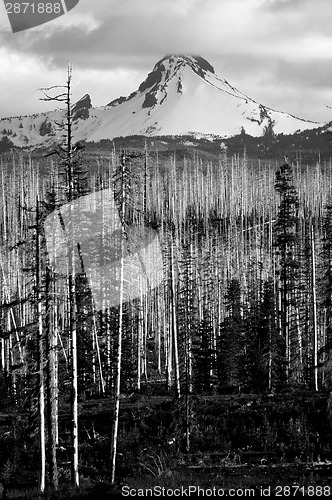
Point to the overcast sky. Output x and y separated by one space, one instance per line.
278 52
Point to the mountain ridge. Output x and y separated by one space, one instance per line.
182 95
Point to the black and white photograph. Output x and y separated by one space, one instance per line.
165 249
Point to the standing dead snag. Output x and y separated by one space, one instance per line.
174 323
41 391
314 307
132 266
121 176
68 159
51 373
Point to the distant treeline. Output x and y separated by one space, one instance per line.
309 146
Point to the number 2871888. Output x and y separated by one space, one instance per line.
33 8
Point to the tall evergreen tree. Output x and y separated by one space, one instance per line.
286 240
230 341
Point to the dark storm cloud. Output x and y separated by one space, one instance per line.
134 37
126 41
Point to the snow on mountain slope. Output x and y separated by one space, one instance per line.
181 95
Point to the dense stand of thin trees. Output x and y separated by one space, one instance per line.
245 303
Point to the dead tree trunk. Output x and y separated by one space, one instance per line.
51 355
119 346
41 389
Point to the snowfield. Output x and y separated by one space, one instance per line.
182 95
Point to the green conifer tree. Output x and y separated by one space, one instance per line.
286 240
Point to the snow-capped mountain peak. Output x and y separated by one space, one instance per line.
181 95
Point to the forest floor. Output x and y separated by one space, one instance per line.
264 442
